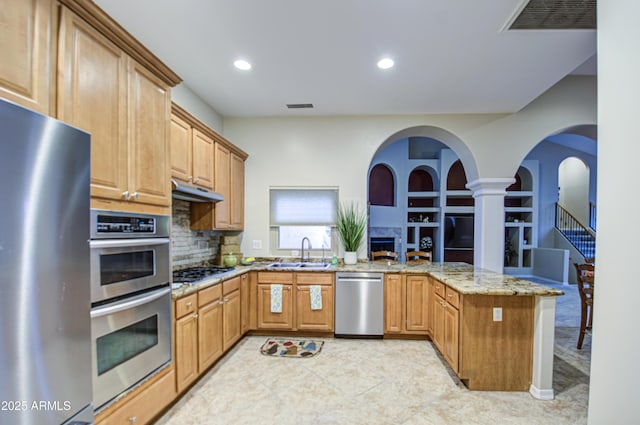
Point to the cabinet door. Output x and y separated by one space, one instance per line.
237 192
451 342
202 159
314 320
27 43
209 334
222 184
231 320
393 303
186 343
244 303
437 334
180 152
92 95
269 320
150 111
417 303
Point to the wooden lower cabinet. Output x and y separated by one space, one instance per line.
451 335
245 294
406 304
296 302
144 403
393 303
207 324
306 318
437 321
445 322
231 311
186 341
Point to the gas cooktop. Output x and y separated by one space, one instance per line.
195 274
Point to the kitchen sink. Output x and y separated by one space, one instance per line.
307 265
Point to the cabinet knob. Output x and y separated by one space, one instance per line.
450 295
125 194
226 300
221 302
195 316
189 304
133 419
190 178
197 180
134 195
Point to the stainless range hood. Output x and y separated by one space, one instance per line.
191 193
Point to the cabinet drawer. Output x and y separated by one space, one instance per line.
439 288
452 297
228 286
146 405
314 278
212 293
275 277
186 305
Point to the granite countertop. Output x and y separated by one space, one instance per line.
463 277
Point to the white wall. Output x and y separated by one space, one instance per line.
185 97
573 183
337 151
613 393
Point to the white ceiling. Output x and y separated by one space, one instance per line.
452 56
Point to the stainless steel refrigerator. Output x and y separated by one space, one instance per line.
45 328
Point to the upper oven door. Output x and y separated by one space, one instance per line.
123 266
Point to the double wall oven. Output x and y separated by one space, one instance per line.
130 300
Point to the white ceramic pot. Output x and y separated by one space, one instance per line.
350 257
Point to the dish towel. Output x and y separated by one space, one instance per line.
276 298
315 292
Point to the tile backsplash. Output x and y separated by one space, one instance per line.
190 248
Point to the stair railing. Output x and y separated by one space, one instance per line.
578 235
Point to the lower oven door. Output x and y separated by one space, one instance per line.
131 338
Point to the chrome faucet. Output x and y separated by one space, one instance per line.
302 249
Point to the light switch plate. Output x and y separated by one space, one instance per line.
257 244
497 314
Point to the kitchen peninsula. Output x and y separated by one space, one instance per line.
496 332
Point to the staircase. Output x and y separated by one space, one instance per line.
581 238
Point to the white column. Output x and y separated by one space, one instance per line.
488 238
543 340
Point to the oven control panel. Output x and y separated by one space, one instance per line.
110 224
114 224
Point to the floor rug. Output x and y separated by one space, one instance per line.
288 347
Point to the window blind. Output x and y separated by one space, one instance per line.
303 206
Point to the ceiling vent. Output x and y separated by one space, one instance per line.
300 105
556 15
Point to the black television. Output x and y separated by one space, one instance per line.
458 232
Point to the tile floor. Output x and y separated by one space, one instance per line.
377 382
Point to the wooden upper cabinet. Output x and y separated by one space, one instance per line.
202 154
126 108
181 134
237 191
27 43
192 153
149 112
223 185
92 95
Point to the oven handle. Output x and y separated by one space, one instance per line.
131 303
119 243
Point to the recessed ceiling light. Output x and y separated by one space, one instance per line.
242 65
385 63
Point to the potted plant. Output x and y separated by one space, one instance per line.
352 223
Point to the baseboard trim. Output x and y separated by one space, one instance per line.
541 394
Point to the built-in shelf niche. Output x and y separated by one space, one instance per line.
520 219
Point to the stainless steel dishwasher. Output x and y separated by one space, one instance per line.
359 304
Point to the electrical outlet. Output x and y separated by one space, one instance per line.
257 244
295 253
497 314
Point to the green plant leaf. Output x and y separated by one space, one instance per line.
352 223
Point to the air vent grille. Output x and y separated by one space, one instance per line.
299 105
556 14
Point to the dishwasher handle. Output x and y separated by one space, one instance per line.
358 279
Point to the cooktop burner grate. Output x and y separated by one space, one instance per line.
194 274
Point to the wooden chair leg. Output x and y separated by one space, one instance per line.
583 325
